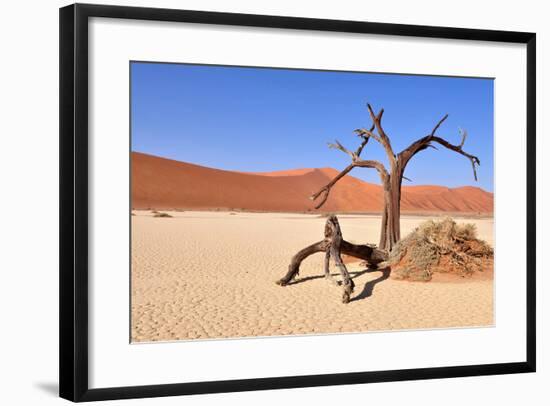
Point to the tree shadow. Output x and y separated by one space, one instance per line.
352 275
369 286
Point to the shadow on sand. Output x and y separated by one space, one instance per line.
367 289
369 286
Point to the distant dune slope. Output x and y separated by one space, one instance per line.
164 184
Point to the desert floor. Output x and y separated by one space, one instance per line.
203 275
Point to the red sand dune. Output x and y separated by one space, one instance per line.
166 184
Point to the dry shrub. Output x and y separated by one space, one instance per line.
160 214
439 246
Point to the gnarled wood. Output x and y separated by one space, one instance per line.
334 246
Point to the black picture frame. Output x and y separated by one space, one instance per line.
73 277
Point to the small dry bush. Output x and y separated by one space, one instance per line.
160 214
439 246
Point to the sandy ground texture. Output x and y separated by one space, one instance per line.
204 275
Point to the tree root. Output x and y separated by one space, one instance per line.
334 246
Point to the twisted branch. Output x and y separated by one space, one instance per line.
426 142
325 190
458 148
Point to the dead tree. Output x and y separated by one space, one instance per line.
391 180
333 245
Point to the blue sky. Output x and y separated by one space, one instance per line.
257 119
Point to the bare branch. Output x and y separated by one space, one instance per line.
363 134
458 148
384 139
384 175
343 149
361 146
325 190
366 135
439 124
426 142
464 134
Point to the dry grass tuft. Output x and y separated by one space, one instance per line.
160 214
439 246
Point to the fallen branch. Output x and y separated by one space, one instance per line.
334 246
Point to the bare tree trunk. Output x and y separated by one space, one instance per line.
390 229
384 224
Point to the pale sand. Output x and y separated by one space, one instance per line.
212 275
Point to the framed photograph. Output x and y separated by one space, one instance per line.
247 200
